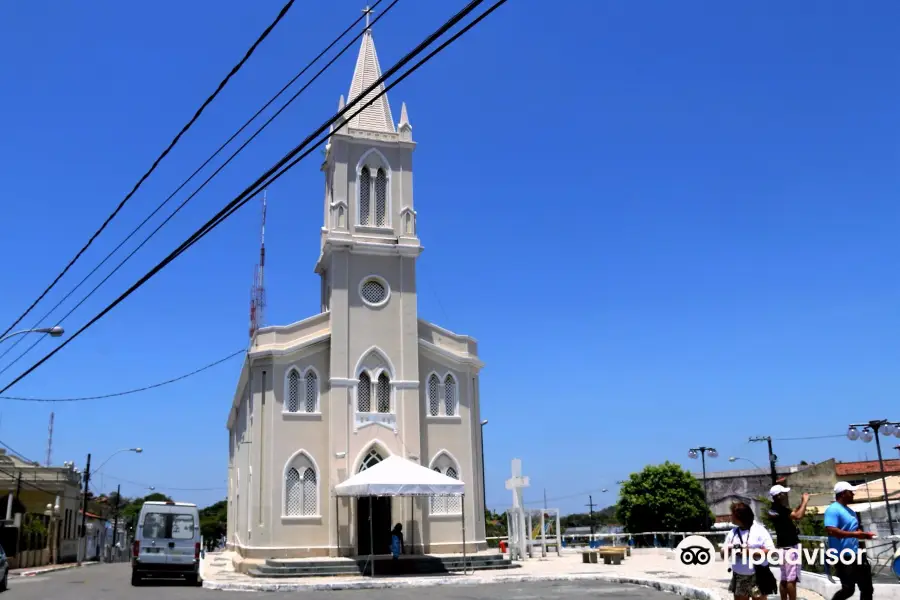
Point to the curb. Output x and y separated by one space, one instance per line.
36 572
684 590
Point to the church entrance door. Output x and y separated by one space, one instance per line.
379 536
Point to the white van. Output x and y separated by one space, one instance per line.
166 542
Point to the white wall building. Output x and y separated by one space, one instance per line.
323 398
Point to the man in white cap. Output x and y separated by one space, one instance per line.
787 538
844 533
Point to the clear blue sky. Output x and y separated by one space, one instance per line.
667 224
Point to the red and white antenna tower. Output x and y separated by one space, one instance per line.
258 289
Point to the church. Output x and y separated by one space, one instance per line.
327 397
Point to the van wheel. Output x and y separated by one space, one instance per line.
136 579
4 582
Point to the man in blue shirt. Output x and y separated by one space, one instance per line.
844 533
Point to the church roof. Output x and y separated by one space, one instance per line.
376 117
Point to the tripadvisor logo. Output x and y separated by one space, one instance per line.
696 550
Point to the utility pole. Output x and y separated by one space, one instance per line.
772 457
116 518
82 540
19 530
590 506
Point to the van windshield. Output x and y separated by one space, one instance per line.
168 526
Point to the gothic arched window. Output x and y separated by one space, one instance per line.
301 488
380 198
445 505
434 403
384 393
450 396
364 393
365 193
292 403
301 392
372 458
374 193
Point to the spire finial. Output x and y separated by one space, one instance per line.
368 12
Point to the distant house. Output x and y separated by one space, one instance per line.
27 489
744 485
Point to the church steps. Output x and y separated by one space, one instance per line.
418 565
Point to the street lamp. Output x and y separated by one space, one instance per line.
703 452
735 458
483 490
52 513
869 431
54 331
103 464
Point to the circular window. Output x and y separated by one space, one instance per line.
374 291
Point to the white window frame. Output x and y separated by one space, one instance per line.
292 462
373 397
301 414
442 394
373 163
383 282
441 461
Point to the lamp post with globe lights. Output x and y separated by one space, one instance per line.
52 514
869 432
703 452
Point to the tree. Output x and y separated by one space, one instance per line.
214 523
494 526
129 512
603 517
662 498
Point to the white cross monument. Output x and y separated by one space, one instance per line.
517 483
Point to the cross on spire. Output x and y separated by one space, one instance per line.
368 12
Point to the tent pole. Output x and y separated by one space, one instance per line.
371 538
337 526
463 512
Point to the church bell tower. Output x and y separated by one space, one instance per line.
367 265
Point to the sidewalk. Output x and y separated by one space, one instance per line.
649 568
33 571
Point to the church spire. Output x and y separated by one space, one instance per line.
376 117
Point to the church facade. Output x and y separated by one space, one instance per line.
326 397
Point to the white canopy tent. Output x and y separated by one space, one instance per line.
396 476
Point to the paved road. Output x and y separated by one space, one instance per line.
112 582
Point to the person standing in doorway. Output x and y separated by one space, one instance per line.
397 541
787 538
844 533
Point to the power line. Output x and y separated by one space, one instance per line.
159 159
18 455
569 496
286 163
158 487
125 393
194 174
